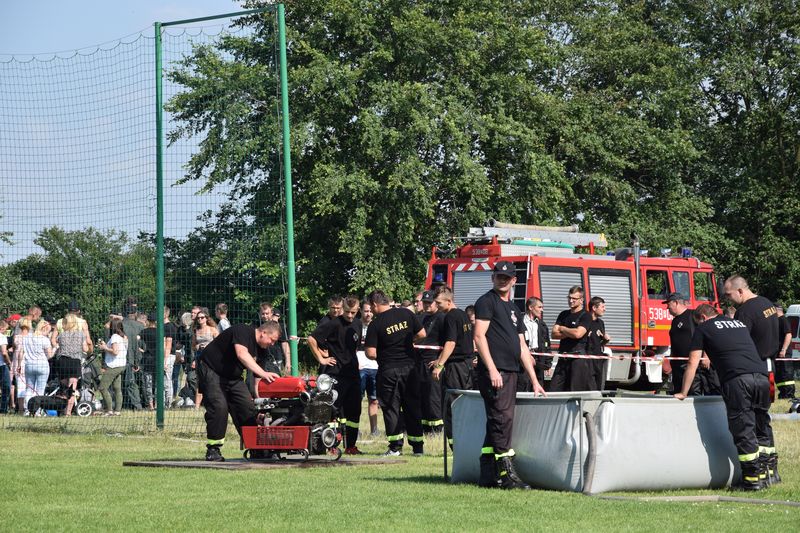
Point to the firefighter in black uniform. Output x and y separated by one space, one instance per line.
334 344
430 392
745 390
219 374
680 336
390 341
596 340
453 367
784 370
571 327
761 318
500 338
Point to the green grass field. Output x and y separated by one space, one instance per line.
72 482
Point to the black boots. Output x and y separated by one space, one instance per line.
499 473
488 477
213 453
772 469
507 477
751 476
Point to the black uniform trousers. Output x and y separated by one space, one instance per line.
398 396
220 396
747 403
784 378
348 402
574 375
499 405
455 375
430 398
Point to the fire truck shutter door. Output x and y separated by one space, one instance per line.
615 289
556 283
469 286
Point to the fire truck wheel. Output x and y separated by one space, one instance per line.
304 455
336 453
246 455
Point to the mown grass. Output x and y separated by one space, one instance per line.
71 482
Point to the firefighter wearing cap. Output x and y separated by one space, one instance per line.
430 392
219 378
784 370
453 367
390 341
500 338
745 390
334 343
680 336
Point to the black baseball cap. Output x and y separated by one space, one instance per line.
674 297
73 306
428 296
151 317
506 268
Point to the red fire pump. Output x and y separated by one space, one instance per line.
295 416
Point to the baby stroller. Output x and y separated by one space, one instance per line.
88 402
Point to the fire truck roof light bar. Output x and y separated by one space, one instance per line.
576 239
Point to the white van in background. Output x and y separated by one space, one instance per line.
793 315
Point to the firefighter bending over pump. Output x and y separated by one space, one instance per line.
220 381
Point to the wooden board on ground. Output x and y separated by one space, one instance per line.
241 464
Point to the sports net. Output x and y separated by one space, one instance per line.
78 167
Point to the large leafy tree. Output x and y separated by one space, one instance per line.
414 120
748 53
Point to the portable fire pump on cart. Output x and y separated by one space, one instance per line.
296 416
550 260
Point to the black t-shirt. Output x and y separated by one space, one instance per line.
783 329
341 339
505 326
148 338
432 322
594 336
729 346
391 333
569 319
171 332
220 353
457 328
680 334
761 318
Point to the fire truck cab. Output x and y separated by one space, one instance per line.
632 284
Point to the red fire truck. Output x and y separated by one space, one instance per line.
551 260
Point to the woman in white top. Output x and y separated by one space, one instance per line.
36 352
116 352
18 364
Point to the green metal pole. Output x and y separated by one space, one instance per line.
159 237
287 172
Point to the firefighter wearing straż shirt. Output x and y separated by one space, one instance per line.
761 318
219 374
430 392
453 367
570 328
745 390
390 341
500 338
334 344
